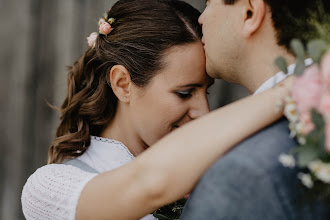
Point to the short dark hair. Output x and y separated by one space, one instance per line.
291 18
143 31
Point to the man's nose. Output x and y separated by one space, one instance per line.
199 108
200 19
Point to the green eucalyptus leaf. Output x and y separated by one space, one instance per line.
318 120
300 67
105 16
281 63
305 155
294 150
326 158
298 48
316 48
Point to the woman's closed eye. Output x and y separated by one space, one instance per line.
184 94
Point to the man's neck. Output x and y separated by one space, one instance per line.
257 61
260 66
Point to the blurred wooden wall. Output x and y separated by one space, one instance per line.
39 38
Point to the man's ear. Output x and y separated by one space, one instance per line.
120 82
254 16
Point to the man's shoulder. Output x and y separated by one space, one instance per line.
261 151
255 162
251 179
271 140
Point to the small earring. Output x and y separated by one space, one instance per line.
125 97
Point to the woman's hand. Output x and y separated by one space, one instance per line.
284 89
286 84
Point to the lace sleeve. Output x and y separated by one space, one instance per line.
52 192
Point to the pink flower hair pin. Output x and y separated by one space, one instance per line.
104 28
92 39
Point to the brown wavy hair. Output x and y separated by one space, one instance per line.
143 31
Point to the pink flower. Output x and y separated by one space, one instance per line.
92 39
105 28
101 21
307 89
308 123
325 68
325 104
327 137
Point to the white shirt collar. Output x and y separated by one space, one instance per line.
278 77
105 154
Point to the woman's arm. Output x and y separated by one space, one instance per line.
170 169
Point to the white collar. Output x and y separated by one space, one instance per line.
278 77
106 154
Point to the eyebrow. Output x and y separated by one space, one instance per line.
192 85
198 85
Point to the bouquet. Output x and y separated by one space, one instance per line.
171 211
308 107
308 112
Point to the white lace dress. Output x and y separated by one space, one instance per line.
52 191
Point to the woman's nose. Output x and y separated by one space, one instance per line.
199 107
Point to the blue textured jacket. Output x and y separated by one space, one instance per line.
250 183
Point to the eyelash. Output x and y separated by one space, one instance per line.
186 94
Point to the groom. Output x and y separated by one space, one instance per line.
242 38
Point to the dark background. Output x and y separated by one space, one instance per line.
39 38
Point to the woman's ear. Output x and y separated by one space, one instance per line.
121 82
254 16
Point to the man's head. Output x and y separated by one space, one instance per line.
240 34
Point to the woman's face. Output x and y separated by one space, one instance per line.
176 95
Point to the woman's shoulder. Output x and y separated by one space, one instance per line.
53 190
61 171
53 176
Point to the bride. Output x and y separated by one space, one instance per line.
123 148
